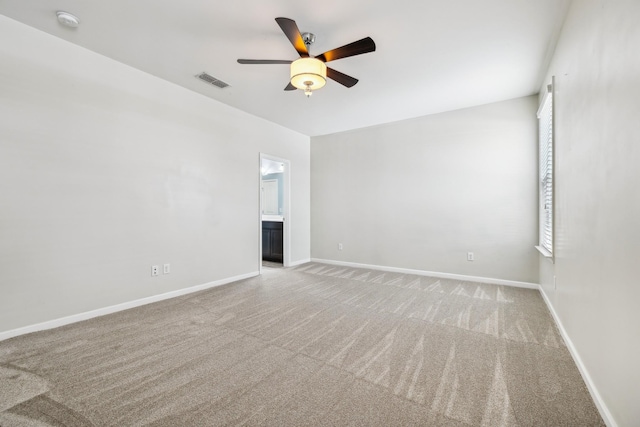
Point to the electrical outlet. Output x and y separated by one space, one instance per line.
469 256
167 269
154 270
339 246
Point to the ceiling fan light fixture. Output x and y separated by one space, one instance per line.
308 74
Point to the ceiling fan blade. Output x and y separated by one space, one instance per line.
263 61
341 78
365 45
290 29
290 87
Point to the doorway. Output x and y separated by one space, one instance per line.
274 207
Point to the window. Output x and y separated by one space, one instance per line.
545 162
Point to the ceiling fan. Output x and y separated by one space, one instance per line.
310 73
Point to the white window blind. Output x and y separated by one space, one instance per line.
545 136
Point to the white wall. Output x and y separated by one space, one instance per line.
597 103
105 170
421 193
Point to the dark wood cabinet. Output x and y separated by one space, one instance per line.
272 244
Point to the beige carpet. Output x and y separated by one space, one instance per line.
271 264
310 346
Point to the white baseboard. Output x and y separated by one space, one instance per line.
602 407
299 262
431 274
50 324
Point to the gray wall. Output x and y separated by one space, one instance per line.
421 193
597 69
105 171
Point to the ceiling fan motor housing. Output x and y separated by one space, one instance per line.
308 38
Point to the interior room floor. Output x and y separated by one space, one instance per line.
311 345
271 264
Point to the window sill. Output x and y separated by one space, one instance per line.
545 253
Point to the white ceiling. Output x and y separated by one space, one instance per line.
432 55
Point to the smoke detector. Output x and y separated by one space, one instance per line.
67 19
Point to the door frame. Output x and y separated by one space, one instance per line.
286 209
